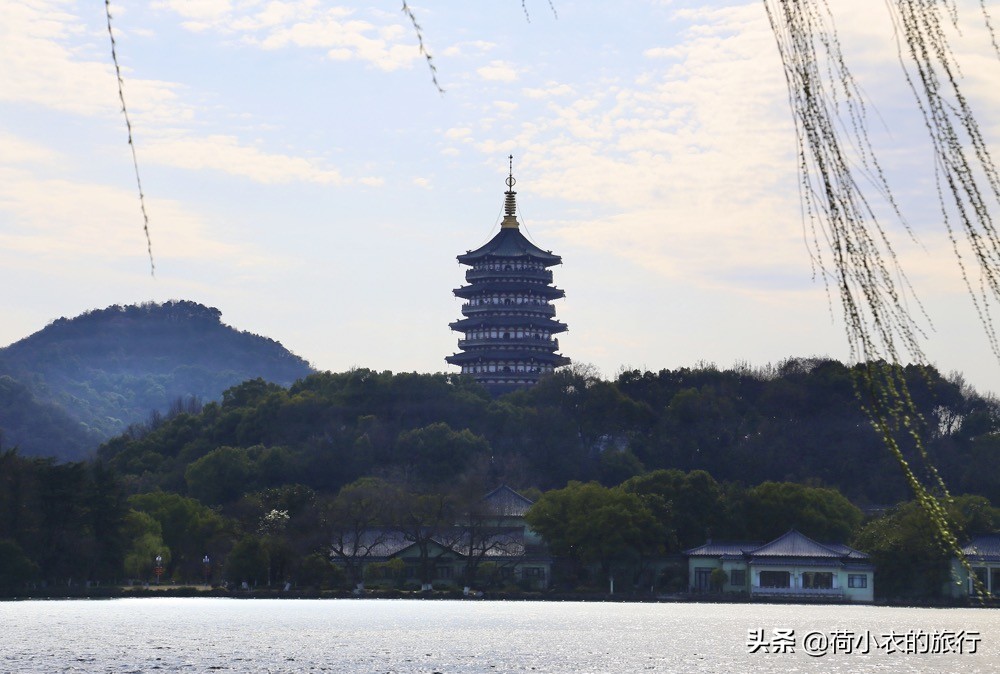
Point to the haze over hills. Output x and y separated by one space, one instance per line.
80 381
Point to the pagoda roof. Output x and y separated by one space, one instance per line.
511 285
476 356
510 243
533 321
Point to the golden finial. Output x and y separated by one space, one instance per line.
509 206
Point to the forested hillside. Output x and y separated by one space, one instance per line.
799 422
645 465
83 380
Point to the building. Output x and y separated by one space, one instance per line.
490 545
792 566
983 555
508 322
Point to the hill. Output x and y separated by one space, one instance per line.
798 422
82 380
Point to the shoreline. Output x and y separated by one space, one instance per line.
196 591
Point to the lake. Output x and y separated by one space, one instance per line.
348 635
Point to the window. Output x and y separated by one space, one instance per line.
857 580
442 572
534 572
817 580
738 577
702 577
775 579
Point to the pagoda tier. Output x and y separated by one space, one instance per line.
508 322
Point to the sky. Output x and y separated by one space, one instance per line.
304 175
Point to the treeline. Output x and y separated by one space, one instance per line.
799 422
646 464
72 524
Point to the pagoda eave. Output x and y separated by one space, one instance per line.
546 291
499 355
487 322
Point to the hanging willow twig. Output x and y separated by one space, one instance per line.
851 249
420 41
131 144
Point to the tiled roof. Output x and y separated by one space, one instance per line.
983 548
794 544
509 242
787 546
505 502
720 548
378 543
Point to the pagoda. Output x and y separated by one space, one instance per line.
508 320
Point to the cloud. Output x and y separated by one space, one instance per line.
304 24
52 222
225 153
472 48
498 71
550 90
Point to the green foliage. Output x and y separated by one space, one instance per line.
799 422
16 569
189 529
690 506
317 571
110 369
66 518
436 453
249 562
221 476
772 508
595 524
145 536
910 558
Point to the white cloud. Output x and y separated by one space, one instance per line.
472 48
55 221
550 90
304 24
498 71
225 153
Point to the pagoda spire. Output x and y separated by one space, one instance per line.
509 205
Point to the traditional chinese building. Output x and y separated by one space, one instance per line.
508 322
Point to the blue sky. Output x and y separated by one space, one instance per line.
304 175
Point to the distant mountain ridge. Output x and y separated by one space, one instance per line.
80 381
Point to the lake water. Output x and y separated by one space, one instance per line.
278 636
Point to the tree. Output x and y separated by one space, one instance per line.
827 105
436 453
190 530
248 562
358 521
592 524
221 476
145 537
16 568
690 506
911 561
772 508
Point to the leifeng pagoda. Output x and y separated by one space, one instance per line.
509 323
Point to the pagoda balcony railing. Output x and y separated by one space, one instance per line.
543 309
502 342
499 274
